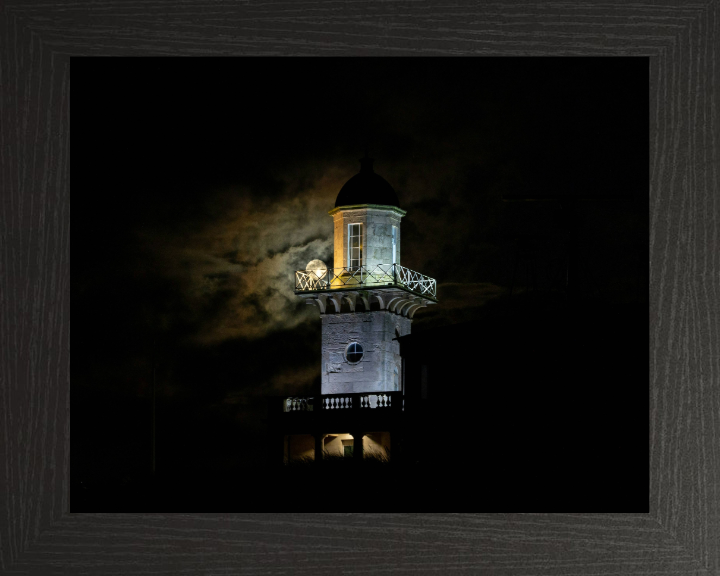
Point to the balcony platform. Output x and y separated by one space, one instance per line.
385 287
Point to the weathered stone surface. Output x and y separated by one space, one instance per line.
377 235
374 331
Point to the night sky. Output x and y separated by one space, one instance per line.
200 185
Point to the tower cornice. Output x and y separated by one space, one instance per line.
395 209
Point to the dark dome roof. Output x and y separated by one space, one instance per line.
366 187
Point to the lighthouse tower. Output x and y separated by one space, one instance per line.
368 299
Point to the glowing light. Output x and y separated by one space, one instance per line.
317 267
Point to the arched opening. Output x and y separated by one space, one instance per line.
376 446
299 448
337 446
341 446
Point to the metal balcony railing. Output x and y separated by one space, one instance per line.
363 277
357 401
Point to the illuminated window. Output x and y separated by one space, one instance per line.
354 353
394 244
354 245
347 448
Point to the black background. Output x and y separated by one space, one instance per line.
157 146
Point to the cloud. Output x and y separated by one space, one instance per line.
232 266
231 263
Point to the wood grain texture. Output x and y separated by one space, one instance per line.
681 533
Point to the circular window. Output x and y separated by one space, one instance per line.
354 352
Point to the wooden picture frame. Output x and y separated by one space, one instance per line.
681 532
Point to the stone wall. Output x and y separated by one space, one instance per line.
374 331
377 235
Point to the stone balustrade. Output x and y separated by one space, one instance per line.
359 401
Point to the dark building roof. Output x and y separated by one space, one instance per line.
366 187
